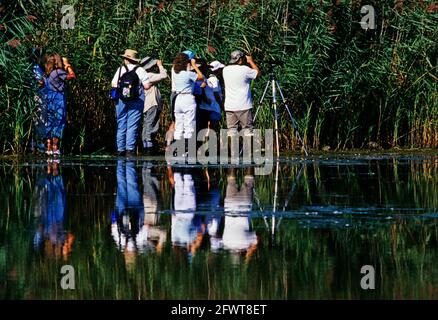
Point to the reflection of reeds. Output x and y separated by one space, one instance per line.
346 87
303 262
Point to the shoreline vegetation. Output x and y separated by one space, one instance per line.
348 88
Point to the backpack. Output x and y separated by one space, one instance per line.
128 86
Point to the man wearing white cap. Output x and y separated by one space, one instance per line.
238 100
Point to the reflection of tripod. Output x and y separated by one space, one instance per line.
274 213
274 85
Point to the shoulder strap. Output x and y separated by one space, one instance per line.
118 78
139 81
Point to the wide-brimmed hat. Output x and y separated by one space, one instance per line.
131 55
215 65
148 62
236 55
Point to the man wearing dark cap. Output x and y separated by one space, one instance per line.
238 100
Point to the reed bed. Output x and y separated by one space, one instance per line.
347 87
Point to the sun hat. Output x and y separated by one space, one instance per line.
189 53
148 62
131 55
236 55
215 65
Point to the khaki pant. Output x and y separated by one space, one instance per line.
244 118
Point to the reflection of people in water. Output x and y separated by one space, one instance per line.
209 203
237 235
134 222
49 196
128 216
151 237
187 228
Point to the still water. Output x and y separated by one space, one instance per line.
139 229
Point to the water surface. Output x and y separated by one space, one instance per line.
140 229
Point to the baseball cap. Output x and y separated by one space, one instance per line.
189 53
236 55
215 65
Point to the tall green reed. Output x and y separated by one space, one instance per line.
364 86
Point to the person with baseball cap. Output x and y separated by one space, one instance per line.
238 99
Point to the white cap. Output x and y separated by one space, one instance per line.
216 65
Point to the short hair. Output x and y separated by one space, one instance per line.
180 62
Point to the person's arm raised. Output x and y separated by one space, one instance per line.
199 73
253 65
157 77
68 68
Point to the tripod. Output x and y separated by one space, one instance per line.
274 86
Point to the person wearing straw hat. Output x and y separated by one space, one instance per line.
131 81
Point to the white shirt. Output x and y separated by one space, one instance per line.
142 75
237 80
213 86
